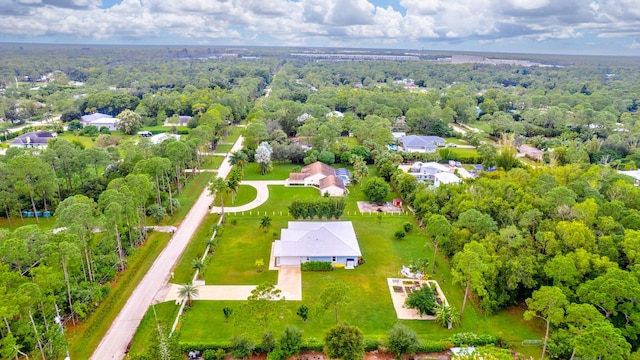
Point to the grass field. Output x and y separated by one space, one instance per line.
197 245
280 172
464 152
223 148
371 309
233 134
190 194
86 141
16 222
86 336
246 194
213 162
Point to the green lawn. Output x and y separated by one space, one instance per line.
213 162
245 243
87 141
84 337
190 194
370 308
197 245
223 148
280 172
16 222
246 194
242 242
464 152
162 129
233 134
166 313
454 140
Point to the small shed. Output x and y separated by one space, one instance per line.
397 202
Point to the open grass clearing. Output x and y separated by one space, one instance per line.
457 141
86 336
246 194
224 148
16 222
280 171
463 152
190 194
233 134
197 245
370 308
213 162
166 313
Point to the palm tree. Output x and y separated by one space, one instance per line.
265 223
446 315
188 292
212 243
239 159
219 187
198 265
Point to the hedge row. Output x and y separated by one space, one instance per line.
428 346
317 266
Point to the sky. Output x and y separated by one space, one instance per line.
594 27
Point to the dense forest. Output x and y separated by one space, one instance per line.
565 228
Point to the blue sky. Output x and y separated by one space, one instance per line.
602 27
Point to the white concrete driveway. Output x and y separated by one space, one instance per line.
262 186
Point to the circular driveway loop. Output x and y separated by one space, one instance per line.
262 186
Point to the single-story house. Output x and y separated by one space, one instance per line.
332 185
445 178
303 117
320 175
99 120
427 171
331 241
311 174
335 114
424 144
33 140
633 173
158 138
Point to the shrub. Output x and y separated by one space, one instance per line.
423 300
434 346
471 339
241 347
402 340
290 341
399 234
303 312
317 266
268 342
210 354
407 226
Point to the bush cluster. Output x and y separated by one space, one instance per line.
320 208
317 266
472 339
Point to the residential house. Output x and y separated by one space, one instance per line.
158 138
428 170
330 241
320 175
445 178
335 114
33 140
424 144
633 173
303 117
100 120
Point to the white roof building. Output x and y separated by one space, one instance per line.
331 241
444 178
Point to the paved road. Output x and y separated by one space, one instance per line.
120 334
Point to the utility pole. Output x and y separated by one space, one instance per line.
58 320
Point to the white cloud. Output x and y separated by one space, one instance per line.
346 22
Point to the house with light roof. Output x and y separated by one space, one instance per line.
423 144
328 241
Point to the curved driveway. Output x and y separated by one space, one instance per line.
120 333
262 186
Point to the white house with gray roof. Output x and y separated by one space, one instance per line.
423 144
330 241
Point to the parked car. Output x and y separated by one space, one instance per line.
458 164
451 145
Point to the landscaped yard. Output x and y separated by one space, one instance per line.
371 308
246 194
280 172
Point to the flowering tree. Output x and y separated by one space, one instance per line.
263 157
